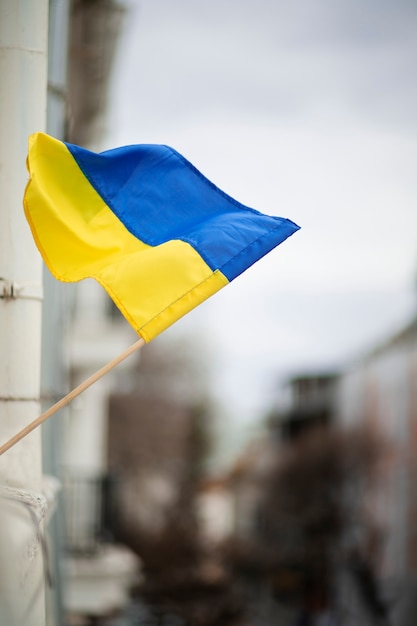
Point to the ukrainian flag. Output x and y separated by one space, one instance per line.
145 223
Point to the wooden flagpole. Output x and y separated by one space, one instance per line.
71 395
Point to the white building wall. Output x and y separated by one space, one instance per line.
377 393
23 80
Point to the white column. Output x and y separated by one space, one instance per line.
23 81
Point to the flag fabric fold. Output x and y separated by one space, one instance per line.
145 223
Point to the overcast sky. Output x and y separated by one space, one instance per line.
305 109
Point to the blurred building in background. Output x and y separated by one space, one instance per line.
334 472
380 390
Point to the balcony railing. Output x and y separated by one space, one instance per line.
90 511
